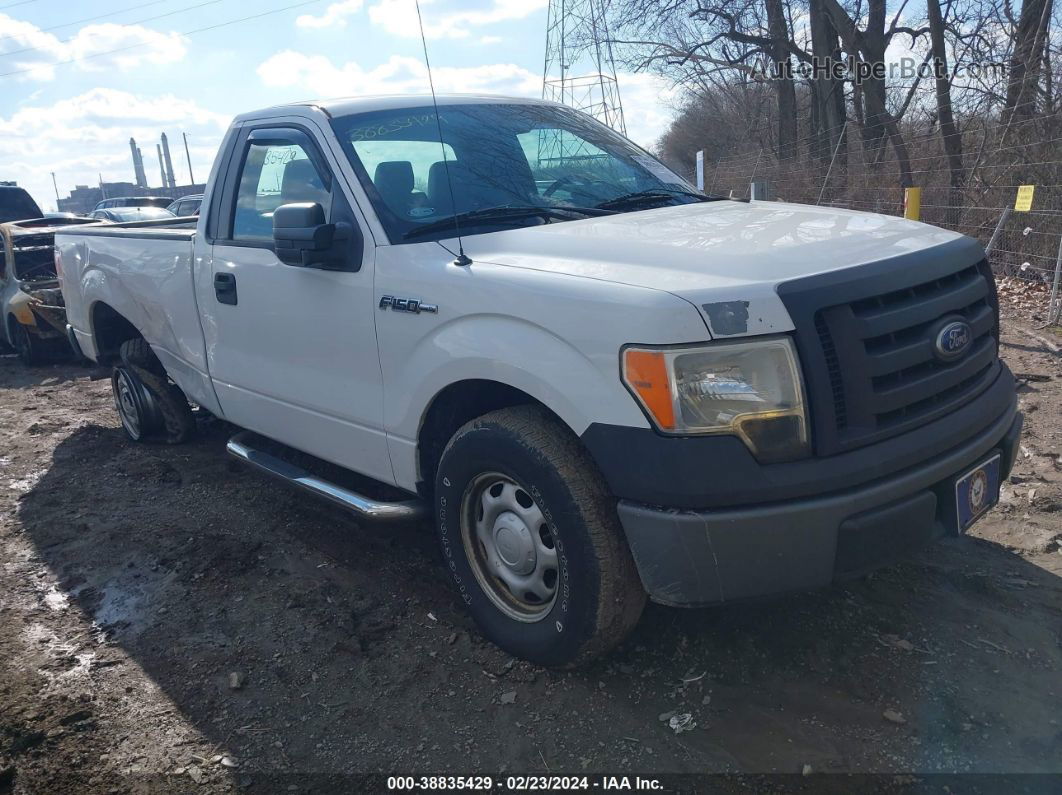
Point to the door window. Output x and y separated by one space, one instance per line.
274 174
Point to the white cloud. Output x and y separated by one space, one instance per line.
84 136
334 16
398 75
35 54
490 39
649 104
398 17
648 101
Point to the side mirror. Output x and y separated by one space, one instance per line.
301 236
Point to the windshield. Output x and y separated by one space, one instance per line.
134 213
497 155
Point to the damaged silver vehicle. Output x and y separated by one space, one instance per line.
30 300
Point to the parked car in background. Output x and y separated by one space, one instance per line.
133 201
31 303
119 215
16 204
186 206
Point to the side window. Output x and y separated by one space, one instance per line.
273 174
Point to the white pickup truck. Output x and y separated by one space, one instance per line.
604 384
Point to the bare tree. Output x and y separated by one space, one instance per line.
866 49
949 131
709 42
827 110
1030 50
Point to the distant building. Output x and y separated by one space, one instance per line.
83 198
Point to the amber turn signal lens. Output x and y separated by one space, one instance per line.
646 373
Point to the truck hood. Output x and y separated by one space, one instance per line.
713 252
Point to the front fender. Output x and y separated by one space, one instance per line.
510 351
520 354
19 306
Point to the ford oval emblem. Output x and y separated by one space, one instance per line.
953 339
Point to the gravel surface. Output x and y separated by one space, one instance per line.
170 621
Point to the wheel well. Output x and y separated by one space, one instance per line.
110 330
453 407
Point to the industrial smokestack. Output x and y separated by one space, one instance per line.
138 164
162 164
171 181
188 154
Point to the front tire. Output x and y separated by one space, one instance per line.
28 349
530 536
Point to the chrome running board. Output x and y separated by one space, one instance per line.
240 447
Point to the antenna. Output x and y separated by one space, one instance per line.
461 259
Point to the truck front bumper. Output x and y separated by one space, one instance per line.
699 557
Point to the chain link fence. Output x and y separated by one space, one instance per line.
972 191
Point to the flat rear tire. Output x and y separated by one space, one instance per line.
150 406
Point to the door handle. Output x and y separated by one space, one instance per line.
225 288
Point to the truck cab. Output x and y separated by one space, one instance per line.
601 384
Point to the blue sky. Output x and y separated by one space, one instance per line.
73 89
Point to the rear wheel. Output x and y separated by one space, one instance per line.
136 406
149 405
530 535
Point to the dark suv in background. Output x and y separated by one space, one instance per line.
16 204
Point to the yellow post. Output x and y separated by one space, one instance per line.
912 203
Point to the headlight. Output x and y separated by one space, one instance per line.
749 389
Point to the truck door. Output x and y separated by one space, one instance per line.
292 348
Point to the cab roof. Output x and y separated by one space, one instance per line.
345 106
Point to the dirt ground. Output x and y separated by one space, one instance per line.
170 621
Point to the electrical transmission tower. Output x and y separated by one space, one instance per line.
580 70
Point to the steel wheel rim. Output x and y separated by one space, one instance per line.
510 547
128 400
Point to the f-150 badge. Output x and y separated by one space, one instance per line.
411 305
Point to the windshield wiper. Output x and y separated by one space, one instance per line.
653 196
505 215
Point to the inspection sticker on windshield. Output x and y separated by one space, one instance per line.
976 492
659 170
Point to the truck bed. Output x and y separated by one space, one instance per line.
144 272
167 228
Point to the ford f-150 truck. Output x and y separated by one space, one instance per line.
605 384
